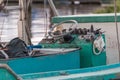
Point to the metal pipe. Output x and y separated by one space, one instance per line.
53 7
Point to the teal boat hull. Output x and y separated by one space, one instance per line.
87 56
65 66
46 63
106 72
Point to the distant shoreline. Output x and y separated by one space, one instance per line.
62 1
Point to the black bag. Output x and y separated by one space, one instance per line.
16 48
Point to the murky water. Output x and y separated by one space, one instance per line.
8 22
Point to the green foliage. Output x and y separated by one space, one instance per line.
109 9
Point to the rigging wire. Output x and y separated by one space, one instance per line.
45 17
26 29
6 4
117 32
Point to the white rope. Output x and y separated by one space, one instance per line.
99 45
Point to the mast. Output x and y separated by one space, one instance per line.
117 32
24 23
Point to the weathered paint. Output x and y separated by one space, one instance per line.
87 56
7 74
94 73
56 62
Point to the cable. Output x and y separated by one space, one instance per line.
94 51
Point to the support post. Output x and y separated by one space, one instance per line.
24 23
117 29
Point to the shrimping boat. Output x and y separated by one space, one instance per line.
69 52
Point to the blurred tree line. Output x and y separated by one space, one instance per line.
110 8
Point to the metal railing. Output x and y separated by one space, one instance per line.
6 67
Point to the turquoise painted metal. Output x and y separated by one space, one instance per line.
7 74
87 57
56 62
68 73
111 74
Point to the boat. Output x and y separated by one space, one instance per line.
66 54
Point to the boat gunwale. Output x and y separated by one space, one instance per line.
34 56
73 71
5 66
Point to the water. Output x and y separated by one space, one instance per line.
9 21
